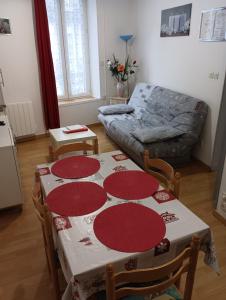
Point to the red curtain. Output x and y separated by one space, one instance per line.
48 83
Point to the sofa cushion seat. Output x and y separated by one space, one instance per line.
160 133
122 129
122 132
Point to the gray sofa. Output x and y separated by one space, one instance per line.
165 122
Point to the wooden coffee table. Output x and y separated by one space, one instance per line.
59 138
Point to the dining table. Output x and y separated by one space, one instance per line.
88 237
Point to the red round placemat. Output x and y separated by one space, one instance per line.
129 227
131 185
76 198
75 167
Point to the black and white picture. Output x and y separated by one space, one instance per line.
213 25
176 21
5 26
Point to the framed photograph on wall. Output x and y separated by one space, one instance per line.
5 27
176 21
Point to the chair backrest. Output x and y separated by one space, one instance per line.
162 277
36 191
67 148
164 172
160 106
45 219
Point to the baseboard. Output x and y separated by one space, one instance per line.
25 138
219 217
41 135
94 125
28 138
46 134
18 208
208 168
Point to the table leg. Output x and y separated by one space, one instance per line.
84 152
95 144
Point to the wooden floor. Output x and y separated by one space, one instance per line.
23 270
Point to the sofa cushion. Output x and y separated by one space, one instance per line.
140 96
169 108
116 109
149 135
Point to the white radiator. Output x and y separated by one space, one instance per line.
21 117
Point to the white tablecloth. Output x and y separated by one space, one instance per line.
83 257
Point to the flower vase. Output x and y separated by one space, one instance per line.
120 89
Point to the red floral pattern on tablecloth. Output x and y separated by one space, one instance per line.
89 219
44 171
75 295
119 157
163 196
169 217
162 247
86 241
61 223
120 168
131 264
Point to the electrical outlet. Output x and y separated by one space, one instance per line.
214 76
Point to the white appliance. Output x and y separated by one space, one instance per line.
10 187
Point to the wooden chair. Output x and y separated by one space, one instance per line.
37 191
67 148
164 172
162 277
51 255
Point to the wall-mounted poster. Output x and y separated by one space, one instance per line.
5 26
213 25
176 21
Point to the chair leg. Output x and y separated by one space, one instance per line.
54 275
46 253
55 284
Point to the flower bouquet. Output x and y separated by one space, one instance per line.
121 72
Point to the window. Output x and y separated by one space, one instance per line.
69 44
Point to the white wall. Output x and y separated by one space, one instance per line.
182 63
115 18
18 58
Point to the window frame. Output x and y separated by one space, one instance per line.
67 97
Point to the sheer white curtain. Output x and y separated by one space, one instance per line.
69 44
